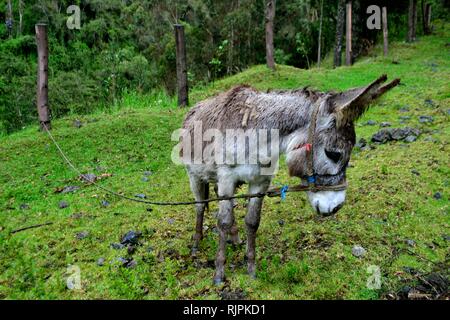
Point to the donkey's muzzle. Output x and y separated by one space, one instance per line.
327 203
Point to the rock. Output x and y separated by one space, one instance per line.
105 203
385 124
448 112
382 136
371 122
410 138
446 237
437 196
82 235
281 222
414 171
402 133
70 189
131 237
361 143
429 139
358 251
429 103
117 246
170 221
77 123
88 177
131 249
101 261
144 179
24 206
63 204
410 242
426 119
131 264
149 209
404 109
140 196
148 173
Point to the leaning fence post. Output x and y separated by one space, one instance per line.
385 31
182 82
42 76
348 36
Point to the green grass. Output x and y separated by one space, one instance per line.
306 258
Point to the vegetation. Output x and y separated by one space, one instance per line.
128 46
390 198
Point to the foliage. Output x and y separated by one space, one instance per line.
127 46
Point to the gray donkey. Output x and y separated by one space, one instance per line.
315 130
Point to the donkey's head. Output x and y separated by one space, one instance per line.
323 157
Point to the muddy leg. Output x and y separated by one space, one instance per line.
252 220
225 222
199 189
234 234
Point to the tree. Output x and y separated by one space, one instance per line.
340 22
320 35
270 17
412 20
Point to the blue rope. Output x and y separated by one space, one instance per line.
283 192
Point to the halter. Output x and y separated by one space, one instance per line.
320 182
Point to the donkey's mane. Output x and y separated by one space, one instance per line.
244 107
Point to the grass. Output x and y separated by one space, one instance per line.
303 258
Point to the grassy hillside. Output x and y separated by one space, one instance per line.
390 198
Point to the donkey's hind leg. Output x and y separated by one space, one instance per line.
200 190
234 234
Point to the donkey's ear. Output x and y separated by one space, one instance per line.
350 105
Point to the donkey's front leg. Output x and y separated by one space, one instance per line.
199 188
225 222
252 220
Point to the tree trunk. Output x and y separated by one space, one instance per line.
320 35
412 20
270 16
340 22
42 76
9 20
182 82
348 36
427 29
385 31
19 31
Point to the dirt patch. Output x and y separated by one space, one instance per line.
432 286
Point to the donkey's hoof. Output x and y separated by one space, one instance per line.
218 281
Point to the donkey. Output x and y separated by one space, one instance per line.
315 130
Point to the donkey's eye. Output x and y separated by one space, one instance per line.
335 156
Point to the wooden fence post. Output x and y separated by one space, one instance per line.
182 81
42 76
348 35
269 19
385 31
